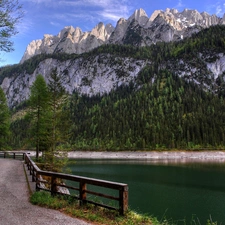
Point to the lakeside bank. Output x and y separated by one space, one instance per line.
152 155
148 155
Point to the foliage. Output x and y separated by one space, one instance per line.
45 199
10 15
39 114
58 124
4 120
47 121
169 113
56 101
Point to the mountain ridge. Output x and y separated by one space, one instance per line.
138 30
199 59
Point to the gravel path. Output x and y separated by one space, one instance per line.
15 209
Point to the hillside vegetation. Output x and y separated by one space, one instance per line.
160 109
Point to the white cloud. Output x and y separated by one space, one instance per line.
179 4
82 13
217 8
107 9
110 16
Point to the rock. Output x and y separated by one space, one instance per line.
168 25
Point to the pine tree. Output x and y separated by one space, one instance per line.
57 99
58 122
39 114
4 120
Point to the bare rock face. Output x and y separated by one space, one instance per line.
137 30
69 40
97 74
32 49
119 32
140 16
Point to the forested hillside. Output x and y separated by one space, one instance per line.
168 105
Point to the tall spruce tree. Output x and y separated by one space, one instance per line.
39 114
4 120
58 123
57 99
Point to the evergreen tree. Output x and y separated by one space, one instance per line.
4 120
39 114
58 122
57 94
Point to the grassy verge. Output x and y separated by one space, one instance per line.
97 215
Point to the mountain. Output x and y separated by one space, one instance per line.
69 40
151 83
99 61
199 59
168 25
138 30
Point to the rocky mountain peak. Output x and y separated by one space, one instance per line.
69 40
67 31
140 16
173 11
138 29
154 15
101 32
109 28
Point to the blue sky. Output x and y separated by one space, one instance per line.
50 16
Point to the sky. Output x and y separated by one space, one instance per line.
51 16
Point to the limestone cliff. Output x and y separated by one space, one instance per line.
138 29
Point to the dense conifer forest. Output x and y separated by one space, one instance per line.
159 110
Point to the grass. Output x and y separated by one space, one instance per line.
90 213
98 215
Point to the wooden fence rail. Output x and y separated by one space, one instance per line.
54 182
13 154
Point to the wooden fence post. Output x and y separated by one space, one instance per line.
31 169
123 202
33 174
53 185
83 194
37 181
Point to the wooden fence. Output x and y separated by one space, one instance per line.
12 154
83 186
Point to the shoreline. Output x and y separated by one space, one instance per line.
179 156
151 155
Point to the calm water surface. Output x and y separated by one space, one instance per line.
175 191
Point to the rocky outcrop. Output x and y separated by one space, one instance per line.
97 74
138 29
166 26
69 40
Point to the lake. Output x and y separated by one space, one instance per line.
171 190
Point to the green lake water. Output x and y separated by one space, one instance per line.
175 191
